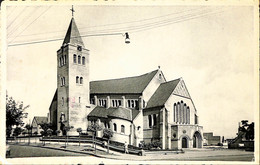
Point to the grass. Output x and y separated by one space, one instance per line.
29 151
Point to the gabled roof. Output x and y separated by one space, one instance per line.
162 93
118 112
40 119
135 85
73 35
54 98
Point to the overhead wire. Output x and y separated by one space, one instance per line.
143 25
11 12
14 19
179 12
21 23
134 27
139 28
32 22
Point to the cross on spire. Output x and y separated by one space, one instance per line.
72 10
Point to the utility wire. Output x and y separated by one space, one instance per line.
122 22
29 15
14 19
11 12
31 23
135 28
57 39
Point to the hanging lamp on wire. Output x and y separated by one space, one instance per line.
127 39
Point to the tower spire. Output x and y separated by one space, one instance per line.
72 11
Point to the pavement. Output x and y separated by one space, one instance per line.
203 154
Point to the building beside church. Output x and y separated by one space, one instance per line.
36 123
144 108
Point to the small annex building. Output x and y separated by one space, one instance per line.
139 109
36 123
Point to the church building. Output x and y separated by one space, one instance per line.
145 108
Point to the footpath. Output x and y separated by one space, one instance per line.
189 154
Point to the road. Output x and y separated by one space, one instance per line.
18 151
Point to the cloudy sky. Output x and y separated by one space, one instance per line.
210 47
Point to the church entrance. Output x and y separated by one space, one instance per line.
184 142
197 140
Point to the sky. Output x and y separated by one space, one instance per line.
210 47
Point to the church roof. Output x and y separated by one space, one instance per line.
73 35
41 119
118 112
134 85
162 93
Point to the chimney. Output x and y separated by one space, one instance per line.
123 101
140 101
108 102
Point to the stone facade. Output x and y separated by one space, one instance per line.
72 81
144 108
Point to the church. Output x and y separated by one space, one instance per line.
145 108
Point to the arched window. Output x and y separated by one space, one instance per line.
129 103
62 59
154 119
79 60
178 112
75 58
114 127
63 80
77 79
122 129
79 99
184 113
81 80
65 59
83 60
132 103
188 115
181 112
113 103
150 121
160 76
174 112
62 101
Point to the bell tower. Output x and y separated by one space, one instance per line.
72 81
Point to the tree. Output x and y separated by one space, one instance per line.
29 129
94 127
67 129
49 132
45 127
14 114
107 133
17 131
79 130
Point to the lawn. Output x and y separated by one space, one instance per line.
30 151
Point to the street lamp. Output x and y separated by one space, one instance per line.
127 39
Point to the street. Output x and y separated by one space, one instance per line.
189 155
